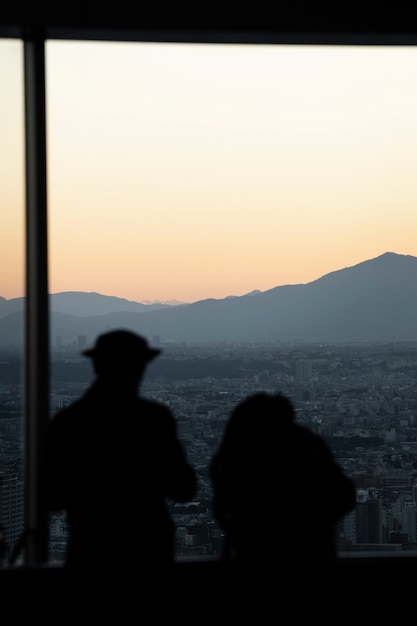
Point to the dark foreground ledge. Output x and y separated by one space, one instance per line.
375 588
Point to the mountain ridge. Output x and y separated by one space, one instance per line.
374 300
84 303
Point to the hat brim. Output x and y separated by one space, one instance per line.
148 355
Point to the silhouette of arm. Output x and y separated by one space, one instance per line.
340 489
180 477
55 467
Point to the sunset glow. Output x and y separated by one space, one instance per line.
190 171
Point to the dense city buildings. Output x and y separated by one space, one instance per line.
361 397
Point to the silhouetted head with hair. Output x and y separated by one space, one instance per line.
272 406
259 419
284 407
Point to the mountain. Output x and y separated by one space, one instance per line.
375 300
83 304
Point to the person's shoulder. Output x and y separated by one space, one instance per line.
301 430
155 407
306 431
310 439
68 413
65 411
156 415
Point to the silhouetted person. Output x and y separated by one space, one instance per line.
113 462
278 494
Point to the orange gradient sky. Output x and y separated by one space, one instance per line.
189 171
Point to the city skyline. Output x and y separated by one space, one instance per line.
190 171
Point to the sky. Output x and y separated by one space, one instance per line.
191 171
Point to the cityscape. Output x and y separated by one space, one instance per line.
235 185
361 397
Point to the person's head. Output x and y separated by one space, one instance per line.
262 415
276 406
284 408
121 354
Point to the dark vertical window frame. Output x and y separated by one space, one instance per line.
36 312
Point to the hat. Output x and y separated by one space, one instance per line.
121 346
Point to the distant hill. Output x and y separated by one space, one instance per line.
375 300
83 304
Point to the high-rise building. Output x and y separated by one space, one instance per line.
369 520
81 342
11 508
303 371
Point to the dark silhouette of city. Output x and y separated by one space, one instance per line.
360 396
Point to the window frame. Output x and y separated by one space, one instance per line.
34 32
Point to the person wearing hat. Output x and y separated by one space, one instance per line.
113 462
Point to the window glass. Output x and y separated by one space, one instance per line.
12 292
179 173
